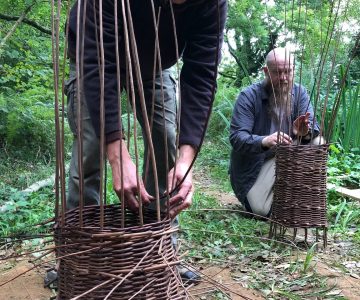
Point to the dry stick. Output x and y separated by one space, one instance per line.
144 113
79 119
132 90
132 271
17 23
118 86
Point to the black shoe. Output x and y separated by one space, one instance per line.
189 277
51 279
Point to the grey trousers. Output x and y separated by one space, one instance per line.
165 101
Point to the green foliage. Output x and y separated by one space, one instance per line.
26 82
221 116
20 211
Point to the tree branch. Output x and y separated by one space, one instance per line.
227 75
26 21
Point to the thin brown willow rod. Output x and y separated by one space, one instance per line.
178 123
292 23
269 73
93 289
242 212
102 111
324 51
136 267
52 248
156 56
290 244
144 113
299 137
157 51
333 63
213 91
61 134
62 171
156 24
118 86
81 88
50 260
79 84
55 55
132 94
342 85
317 96
179 281
21 239
219 285
143 288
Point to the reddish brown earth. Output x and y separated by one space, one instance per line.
27 286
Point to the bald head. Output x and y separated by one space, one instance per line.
279 67
279 56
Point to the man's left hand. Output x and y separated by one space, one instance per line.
301 125
185 192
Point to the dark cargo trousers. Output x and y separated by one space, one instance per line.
91 143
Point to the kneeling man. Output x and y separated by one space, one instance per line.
266 113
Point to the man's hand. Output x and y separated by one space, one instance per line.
183 198
271 140
131 192
301 125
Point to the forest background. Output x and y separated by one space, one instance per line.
27 126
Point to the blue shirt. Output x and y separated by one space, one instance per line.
250 123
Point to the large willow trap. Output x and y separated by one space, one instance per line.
300 189
135 262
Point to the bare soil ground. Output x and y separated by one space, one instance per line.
27 286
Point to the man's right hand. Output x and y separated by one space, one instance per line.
132 189
271 140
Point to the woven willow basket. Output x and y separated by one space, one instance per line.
300 186
138 260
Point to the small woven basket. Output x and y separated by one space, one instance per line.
138 261
300 186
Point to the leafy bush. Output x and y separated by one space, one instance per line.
27 125
21 211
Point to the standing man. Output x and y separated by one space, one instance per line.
199 30
266 113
